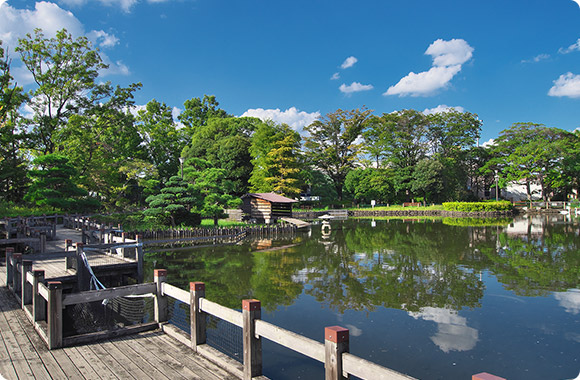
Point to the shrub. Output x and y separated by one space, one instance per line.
477 206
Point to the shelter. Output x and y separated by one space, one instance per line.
266 207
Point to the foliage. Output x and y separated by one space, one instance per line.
198 112
477 222
52 185
478 206
370 184
173 203
332 145
428 180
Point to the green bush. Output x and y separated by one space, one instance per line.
477 206
477 222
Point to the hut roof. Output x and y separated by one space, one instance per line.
270 197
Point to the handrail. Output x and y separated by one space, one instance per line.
230 315
103 294
291 340
43 291
175 292
365 369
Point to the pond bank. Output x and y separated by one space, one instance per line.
405 213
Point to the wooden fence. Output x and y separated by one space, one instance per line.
44 301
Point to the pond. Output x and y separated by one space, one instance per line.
433 298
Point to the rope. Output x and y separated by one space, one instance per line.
94 283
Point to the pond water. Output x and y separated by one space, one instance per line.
432 298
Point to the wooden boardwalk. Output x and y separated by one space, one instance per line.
149 355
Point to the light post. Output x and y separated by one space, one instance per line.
181 160
496 179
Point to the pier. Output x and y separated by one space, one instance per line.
42 296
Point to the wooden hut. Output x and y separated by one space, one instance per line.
267 207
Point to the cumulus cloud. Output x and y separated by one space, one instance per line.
566 85
125 5
448 58
453 334
335 76
577 2
355 87
16 23
489 143
574 47
102 38
442 108
349 62
297 120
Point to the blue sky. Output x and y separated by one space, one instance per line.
506 60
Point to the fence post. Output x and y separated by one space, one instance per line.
197 317
26 286
139 258
335 343
160 276
123 239
251 310
83 275
16 276
54 314
42 242
38 303
9 268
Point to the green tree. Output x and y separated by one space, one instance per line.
199 111
163 141
332 145
429 180
452 131
13 180
370 184
65 72
173 204
53 185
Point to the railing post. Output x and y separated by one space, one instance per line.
42 242
160 276
26 286
67 244
123 239
83 234
197 317
83 275
16 276
54 314
335 343
9 267
139 258
486 376
251 310
38 303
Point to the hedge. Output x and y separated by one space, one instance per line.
478 206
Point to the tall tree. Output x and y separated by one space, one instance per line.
65 71
13 178
332 145
174 204
198 111
452 131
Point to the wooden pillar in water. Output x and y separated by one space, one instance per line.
9 268
38 303
336 342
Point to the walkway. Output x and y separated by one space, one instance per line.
149 355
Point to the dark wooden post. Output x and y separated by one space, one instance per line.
160 276
26 286
16 277
251 310
38 303
9 267
197 317
335 343
67 244
123 239
83 274
139 258
83 234
42 242
54 314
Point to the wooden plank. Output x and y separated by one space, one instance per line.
43 291
175 292
140 359
222 312
368 370
99 295
100 368
111 362
109 334
128 362
291 340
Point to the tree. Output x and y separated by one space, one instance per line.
370 184
53 185
332 145
65 71
197 113
173 203
452 131
13 180
163 142
428 180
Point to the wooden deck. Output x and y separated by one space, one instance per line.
149 355
297 222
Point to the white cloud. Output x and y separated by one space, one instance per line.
115 68
566 85
102 38
442 108
569 300
577 2
453 334
349 62
125 5
335 76
355 87
537 58
489 143
294 118
571 48
425 83
448 57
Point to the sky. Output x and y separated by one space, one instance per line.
507 61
